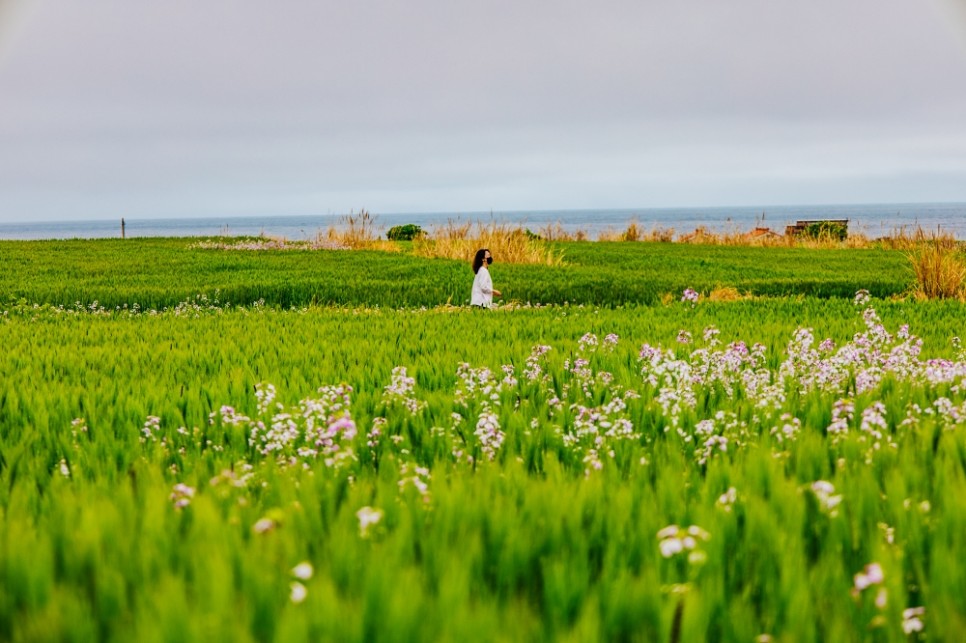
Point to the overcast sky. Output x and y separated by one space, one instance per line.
180 108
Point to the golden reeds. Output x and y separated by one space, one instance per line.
938 265
509 244
635 232
556 232
358 232
930 253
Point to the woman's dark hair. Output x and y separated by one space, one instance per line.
479 259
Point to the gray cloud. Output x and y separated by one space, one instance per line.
180 108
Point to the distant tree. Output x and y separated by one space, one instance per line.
406 232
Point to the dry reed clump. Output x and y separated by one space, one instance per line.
858 240
358 232
663 235
905 239
634 232
702 235
938 266
767 238
507 243
556 232
610 235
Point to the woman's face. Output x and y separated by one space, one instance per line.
487 258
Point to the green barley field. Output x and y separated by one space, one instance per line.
211 445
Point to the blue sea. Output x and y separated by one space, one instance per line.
873 220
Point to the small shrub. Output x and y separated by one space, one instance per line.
406 232
826 230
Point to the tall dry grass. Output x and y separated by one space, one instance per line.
555 232
635 232
509 244
931 253
938 265
662 235
905 238
359 232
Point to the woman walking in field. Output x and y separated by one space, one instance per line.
483 291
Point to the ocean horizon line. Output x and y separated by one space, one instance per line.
872 219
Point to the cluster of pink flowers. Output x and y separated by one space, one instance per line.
855 368
181 495
416 477
534 369
588 342
789 429
478 391
368 518
714 435
194 307
489 434
870 356
477 385
828 500
674 540
297 591
872 578
151 429
269 244
317 428
912 620
400 391
596 430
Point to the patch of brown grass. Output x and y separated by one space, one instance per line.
610 235
508 244
904 238
358 232
633 232
663 235
556 232
726 293
858 240
703 235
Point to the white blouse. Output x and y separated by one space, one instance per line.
482 289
